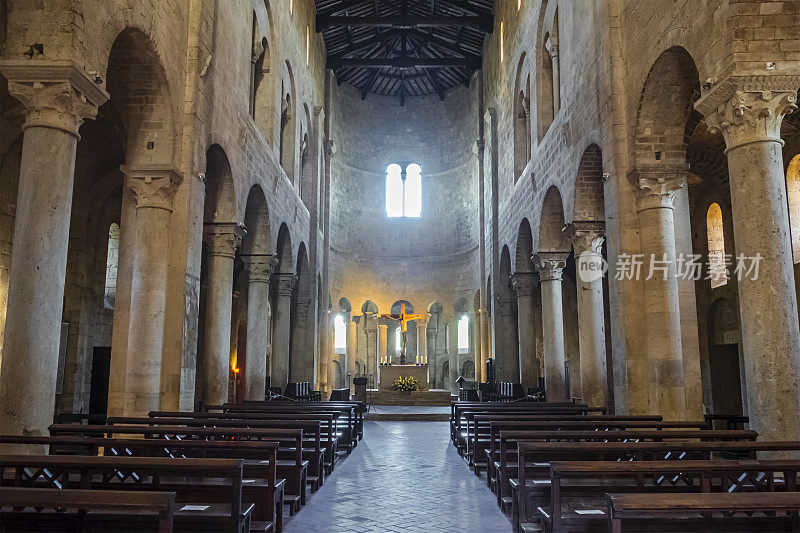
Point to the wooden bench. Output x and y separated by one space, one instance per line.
504 439
318 454
575 491
294 471
260 460
704 512
212 488
30 509
479 426
351 411
330 435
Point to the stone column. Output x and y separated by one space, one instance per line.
552 48
587 240
383 343
750 121
55 110
551 266
222 240
524 284
285 283
451 345
154 187
352 341
486 342
422 341
663 377
259 269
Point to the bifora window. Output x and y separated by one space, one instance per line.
403 190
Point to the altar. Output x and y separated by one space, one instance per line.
389 373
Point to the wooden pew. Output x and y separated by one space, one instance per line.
215 485
350 410
330 432
21 509
259 460
581 485
313 448
456 409
294 470
505 467
479 425
539 455
704 512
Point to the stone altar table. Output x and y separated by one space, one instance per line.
389 373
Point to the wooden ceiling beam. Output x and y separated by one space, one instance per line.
399 21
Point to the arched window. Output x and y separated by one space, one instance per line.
793 195
717 265
522 120
339 335
112 260
463 335
397 340
403 191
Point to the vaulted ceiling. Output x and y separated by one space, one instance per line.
404 48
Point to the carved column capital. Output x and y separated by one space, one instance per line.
259 267
55 94
524 283
656 184
153 185
550 265
751 116
223 238
285 283
586 236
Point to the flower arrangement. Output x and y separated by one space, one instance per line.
405 384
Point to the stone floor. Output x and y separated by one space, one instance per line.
409 409
403 477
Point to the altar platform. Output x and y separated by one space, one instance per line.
428 398
387 374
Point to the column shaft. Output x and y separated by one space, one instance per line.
587 240
222 241
280 330
551 265
32 333
524 284
383 342
352 340
259 331
665 383
750 122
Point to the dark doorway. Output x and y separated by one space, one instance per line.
241 362
101 368
726 385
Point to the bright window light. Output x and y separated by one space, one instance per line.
398 337
463 335
403 192
339 335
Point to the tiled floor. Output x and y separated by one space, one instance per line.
403 477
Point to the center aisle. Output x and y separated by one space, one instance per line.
403 477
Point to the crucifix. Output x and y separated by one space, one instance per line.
404 320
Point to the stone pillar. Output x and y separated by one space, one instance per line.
154 187
383 343
55 110
352 342
222 240
551 266
451 345
285 283
552 48
663 377
259 269
486 342
587 240
524 284
750 121
422 341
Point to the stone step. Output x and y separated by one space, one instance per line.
427 398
